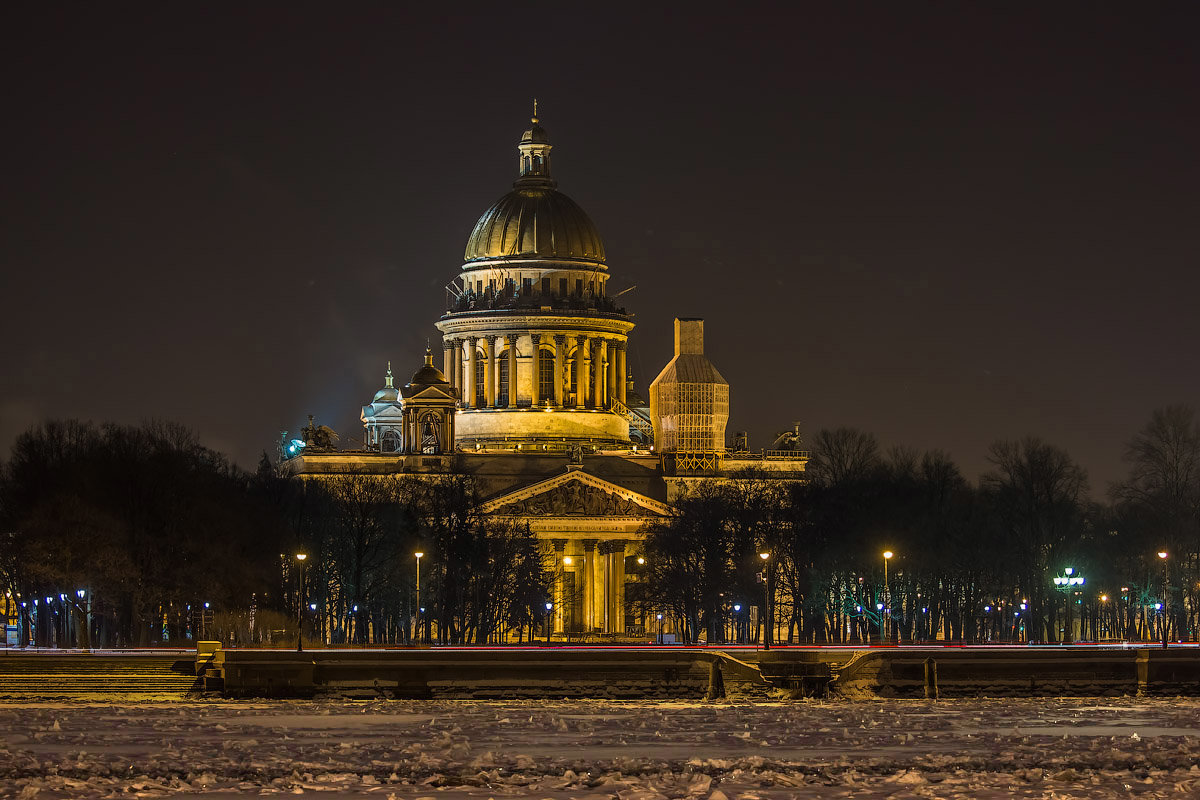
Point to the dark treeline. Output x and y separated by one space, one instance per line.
482 579
134 536
118 536
970 562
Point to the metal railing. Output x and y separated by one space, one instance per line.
640 423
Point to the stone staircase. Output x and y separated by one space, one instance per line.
48 675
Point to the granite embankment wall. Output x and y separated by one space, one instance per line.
688 673
1024 672
549 672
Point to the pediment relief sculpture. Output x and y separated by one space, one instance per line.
574 499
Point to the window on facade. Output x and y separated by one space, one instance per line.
546 376
509 287
502 395
545 287
526 287
480 380
591 287
562 287
390 442
579 286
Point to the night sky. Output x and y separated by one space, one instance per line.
941 224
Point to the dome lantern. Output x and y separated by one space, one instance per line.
534 166
535 220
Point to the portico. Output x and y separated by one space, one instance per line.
590 526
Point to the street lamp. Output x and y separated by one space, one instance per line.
569 611
1066 583
766 600
1162 554
418 555
300 606
887 595
660 627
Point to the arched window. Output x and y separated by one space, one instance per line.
429 425
502 395
546 389
390 442
481 380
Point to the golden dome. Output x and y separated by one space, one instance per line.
535 221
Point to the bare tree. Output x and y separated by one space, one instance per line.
1038 496
1160 501
842 455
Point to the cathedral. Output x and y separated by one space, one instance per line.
533 398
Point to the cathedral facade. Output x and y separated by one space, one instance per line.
534 400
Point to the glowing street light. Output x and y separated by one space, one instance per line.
1066 583
1162 554
887 556
419 555
300 557
768 617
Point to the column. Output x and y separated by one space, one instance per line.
580 371
489 373
535 360
621 372
448 360
472 358
610 392
598 374
457 380
512 370
560 354
589 584
606 582
600 595
616 615
558 591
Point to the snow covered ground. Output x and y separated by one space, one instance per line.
449 750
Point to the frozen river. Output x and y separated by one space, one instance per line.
580 749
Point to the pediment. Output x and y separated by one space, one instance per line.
431 393
575 494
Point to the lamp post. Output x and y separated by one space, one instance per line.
1066 583
549 608
766 600
419 637
887 595
660 627
1162 555
567 619
301 557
